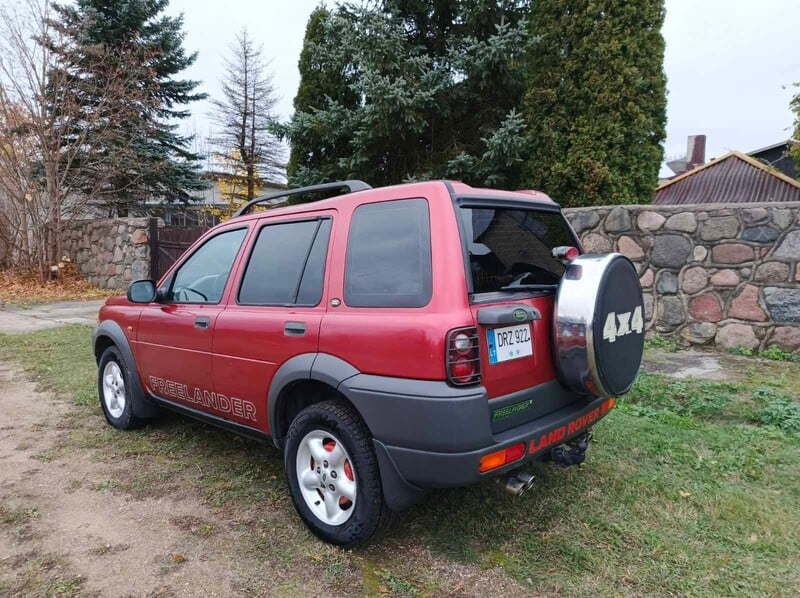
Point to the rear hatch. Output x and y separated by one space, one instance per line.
513 278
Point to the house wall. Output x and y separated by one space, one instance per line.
712 274
110 252
778 157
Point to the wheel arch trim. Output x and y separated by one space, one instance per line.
334 372
319 367
142 406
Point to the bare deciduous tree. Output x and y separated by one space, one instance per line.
245 115
44 143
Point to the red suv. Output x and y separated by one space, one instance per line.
387 340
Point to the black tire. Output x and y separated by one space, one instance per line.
125 420
369 509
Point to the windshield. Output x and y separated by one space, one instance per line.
512 248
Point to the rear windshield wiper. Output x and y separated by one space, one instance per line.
528 287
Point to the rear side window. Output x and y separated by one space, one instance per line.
513 247
287 264
389 255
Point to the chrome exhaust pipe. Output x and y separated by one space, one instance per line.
518 482
514 486
526 478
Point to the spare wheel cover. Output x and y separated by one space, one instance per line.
599 325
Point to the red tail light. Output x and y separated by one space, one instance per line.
463 359
566 253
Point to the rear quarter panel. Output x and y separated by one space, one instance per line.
402 342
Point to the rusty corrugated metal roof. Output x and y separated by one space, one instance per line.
732 178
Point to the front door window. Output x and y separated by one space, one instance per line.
202 277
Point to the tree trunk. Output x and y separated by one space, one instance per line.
251 183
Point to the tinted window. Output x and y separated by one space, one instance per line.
389 255
287 265
310 291
508 247
202 277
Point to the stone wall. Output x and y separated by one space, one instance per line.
712 274
110 253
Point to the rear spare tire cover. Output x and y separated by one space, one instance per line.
599 325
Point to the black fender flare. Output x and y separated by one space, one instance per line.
320 367
142 406
296 369
399 494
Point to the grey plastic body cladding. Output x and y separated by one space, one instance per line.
426 434
428 469
398 493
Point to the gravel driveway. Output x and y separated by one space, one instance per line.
19 320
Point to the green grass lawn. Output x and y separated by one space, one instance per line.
691 487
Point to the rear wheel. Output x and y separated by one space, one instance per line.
333 474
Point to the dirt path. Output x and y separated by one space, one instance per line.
180 509
60 530
17 320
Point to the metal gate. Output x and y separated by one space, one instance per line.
168 243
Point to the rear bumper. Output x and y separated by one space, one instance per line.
429 469
431 435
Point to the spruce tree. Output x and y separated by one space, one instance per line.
411 90
324 81
596 104
135 36
484 46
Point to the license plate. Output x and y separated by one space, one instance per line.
511 342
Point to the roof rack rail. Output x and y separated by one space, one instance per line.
351 186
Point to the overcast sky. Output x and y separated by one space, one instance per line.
730 64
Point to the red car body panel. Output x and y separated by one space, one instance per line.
505 378
249 341
244 346
404 342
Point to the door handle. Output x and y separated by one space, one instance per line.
202 322
294 329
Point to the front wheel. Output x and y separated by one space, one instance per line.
113 385
333 474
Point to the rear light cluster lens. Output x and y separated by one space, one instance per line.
502 457
566 253
463 356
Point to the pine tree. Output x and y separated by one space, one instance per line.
484 45
246 114
596 105
135 37
324 81
411 91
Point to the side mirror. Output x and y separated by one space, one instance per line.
142 291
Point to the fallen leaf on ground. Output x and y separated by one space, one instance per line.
24 288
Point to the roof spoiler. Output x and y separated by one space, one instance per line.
351 186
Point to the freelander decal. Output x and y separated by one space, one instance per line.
213 400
